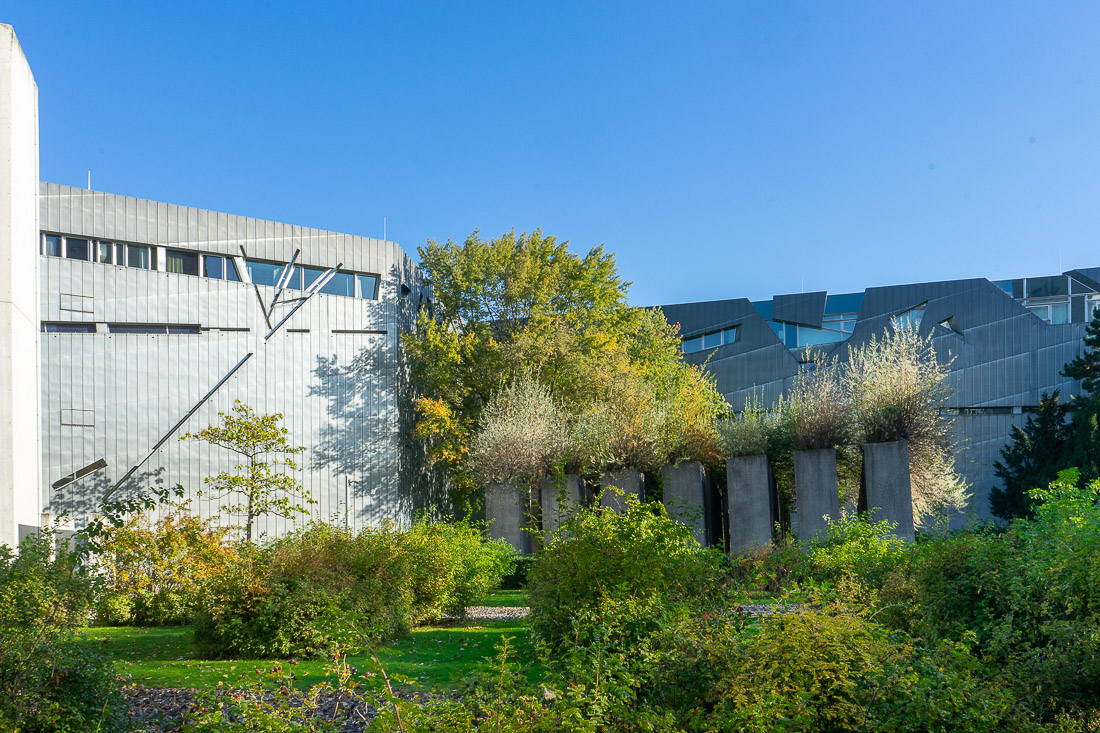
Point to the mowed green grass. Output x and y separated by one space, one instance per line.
505 598
440 657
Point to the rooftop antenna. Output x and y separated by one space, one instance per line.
89 180
383 229
1060 260
803 283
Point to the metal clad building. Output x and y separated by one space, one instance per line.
1007 342
147 306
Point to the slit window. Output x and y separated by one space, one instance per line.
68 327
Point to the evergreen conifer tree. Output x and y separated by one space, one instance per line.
1032 459
1086 367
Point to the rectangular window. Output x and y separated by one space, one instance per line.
692 345
140 257
1059 312
729 335
68 327
368 286
182 263
213 266
1043 311
231 270
710 340
105 253
263 273
120 254
341 283
51 245
76 249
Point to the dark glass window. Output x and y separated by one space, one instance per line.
104 252
141 257
182 263
368 286
76 249
144 328
231 270
1046 287
186 330
214 266
310 275
68 327
693 345
51 246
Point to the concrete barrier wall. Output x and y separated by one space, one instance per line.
887 491
749 488
687 498
504 510
556 507
630 481
817 492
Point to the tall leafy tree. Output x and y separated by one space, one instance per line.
257 485
516 304
1032 460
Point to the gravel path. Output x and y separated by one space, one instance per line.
496 613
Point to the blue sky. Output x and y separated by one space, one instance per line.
721 150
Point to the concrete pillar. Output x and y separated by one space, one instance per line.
629 480
688 498
554 511
504 510
887 492
816 491
751 510
20 441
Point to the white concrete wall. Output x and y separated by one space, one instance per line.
20 498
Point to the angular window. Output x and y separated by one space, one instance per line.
693 344
910 319
729 335
76 249
182 263
231 270
51 245
368 286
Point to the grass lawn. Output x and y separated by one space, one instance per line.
509 598
436 656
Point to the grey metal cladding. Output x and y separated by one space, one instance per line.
805 309
1002 356
337 377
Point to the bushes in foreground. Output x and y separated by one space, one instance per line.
297 595
48 682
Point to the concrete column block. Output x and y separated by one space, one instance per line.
887 491
816 490
554 511
629 480
751 505
21 490
687 497
504 510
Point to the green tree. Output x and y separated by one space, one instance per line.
1083 447
1086 367
517 304
256 486
1033 459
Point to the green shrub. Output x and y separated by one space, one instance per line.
295 595
521 571
43 588
452 566
632 571
154 572
288 597
47 681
